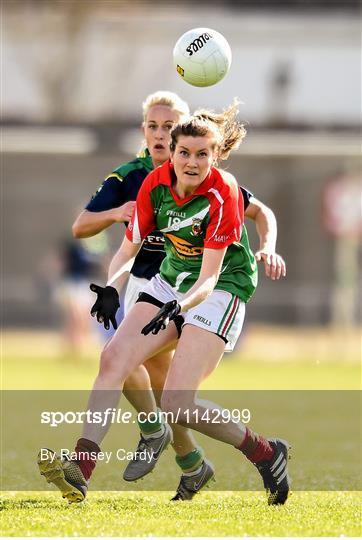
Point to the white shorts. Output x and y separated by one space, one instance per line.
135 285
222 313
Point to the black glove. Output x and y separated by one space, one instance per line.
106 305
166 314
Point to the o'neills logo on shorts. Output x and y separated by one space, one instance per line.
201 319
183 248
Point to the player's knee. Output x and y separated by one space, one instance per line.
157 379
112 366
176 404
137 380
157 368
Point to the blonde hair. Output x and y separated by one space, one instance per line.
168 99
224 127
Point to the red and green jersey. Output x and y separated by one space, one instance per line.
211 217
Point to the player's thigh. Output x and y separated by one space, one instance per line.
158 367
197 354
128 344
135 286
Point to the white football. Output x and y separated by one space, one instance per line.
202 57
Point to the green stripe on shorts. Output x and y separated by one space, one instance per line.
228 309
233 319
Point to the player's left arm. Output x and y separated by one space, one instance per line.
209 274
266 226
212 260
224 228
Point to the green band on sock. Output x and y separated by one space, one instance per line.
151 424
191 461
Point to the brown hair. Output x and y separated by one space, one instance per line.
224 127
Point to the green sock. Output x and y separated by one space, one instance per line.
191 461
151 426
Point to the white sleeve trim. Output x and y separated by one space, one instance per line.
136 235
221 201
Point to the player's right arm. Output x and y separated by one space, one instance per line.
107 301
122 263
142 223
91 223
107 206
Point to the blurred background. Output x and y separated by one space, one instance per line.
74 75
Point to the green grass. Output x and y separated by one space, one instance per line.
269 358
211 514
233 373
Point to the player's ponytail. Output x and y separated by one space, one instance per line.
224 127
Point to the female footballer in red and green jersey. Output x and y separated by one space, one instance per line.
112 203
208 275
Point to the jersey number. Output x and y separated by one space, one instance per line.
173 223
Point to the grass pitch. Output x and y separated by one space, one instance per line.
210 514
274 360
